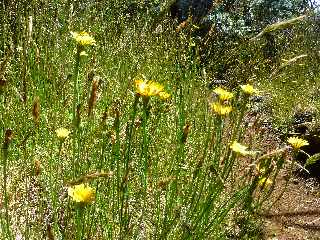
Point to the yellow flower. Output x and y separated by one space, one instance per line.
83 38
141 87
62 133
241 149
297 143
223 94
221 109
81 193
148 89
155 88
264 181
248 89
164 95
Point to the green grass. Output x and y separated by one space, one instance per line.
160 169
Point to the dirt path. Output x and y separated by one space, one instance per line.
296 216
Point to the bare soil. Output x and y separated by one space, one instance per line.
297 214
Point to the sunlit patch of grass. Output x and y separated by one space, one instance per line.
289 95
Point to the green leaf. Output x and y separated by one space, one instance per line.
312 160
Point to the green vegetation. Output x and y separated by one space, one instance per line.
93 108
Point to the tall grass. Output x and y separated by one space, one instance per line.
160 169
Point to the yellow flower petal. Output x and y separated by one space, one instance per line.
148 89
297 143
241 149
141 87
81 193
248 89
221 109
223 94
83 38
155 88
62 133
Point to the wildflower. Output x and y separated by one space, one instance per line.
62 133
82 193
148 89
297 143
248 89
141 87
83 38
264 181
155 88
223 94
221 109
241 149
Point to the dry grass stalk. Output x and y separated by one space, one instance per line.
90 177
93 96
7 138
37 167
36 111
186 130
279 26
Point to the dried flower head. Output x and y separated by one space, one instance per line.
221 109
297 143
248 89
241 149
186 131
62 133
93 97
82 193
8 136
36 111
83 38
224 95
37 167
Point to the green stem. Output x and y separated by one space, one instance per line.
123 184
5 177
145 141
80 222
76 85
76 121
218 142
